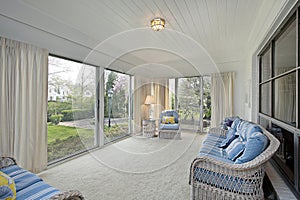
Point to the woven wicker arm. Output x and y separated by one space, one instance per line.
68 195
6 161
214 179
218 131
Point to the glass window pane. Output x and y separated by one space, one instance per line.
172 94
285 50
284 156
206 102
285 99
116 105
189 102
265 66
265 90
71 107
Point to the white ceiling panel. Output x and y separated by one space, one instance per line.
116 33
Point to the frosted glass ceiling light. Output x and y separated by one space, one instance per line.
158 24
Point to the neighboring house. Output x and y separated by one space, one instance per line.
58 93
88 93
52 95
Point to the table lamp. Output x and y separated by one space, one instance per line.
150 100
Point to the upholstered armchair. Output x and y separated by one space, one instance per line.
169 125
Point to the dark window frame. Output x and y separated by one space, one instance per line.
293 15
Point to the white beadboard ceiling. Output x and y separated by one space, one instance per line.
200 35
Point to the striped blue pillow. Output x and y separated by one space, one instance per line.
229 138
235 124
254 146
235 149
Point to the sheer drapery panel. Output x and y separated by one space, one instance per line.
222 91
23 94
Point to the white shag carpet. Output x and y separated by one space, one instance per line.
134 168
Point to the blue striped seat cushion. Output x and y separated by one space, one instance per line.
210 147
214 139
39 190
29 185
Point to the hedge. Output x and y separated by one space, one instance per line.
55 119
76 114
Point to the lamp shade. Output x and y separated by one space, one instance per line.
149 100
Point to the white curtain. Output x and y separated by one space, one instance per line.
161 95
159 88
222 87
285 96
142 88
23 101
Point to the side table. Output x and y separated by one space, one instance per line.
148 127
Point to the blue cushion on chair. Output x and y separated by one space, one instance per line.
229 138
235 149
169 113
255 145
169 126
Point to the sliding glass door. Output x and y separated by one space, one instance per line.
194 102
71 108
116 105
206 103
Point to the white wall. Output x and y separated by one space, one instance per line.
242 69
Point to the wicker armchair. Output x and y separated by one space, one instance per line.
6 162
169 130
230 181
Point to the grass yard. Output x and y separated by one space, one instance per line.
65 140
57 132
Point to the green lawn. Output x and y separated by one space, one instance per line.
65 140
57 132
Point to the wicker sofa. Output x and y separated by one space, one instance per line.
227 173
29 186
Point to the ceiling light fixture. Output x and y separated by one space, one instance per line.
158 24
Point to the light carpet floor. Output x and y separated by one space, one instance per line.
134 168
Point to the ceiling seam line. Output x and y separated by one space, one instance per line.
138 6
205 34
176 22
173 16
219 35
170 36
183 18
193 22
191 35
132 11
117 14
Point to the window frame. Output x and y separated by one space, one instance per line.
99 140
294 14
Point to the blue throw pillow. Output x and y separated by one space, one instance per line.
255 145
229 138
236 123
229 120
235 149
248 129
